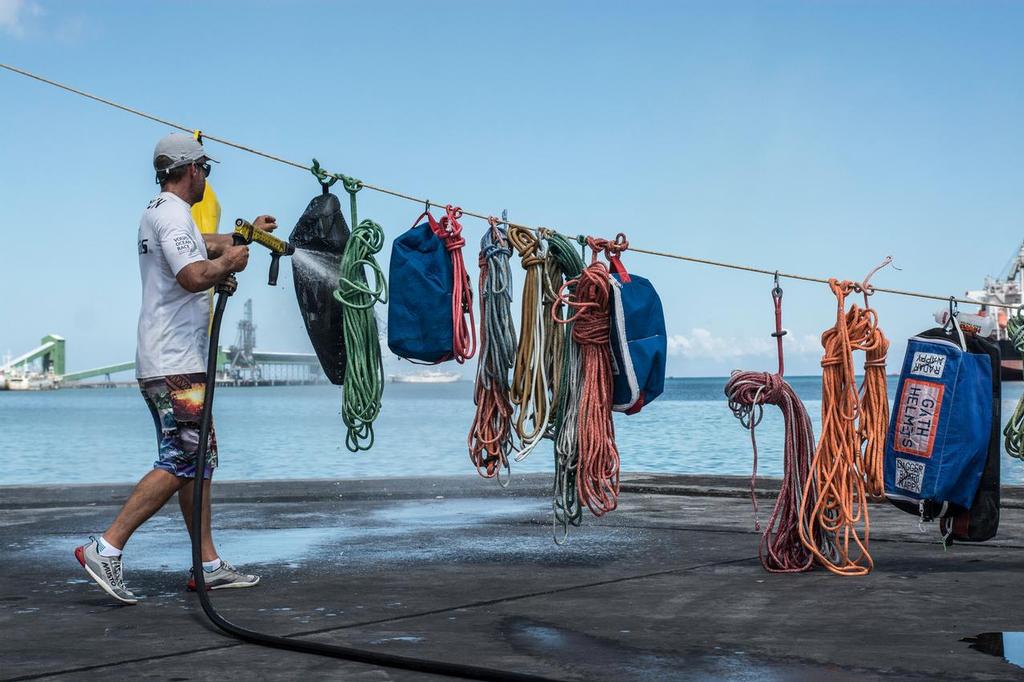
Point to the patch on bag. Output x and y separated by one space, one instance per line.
909 474
928 364
917 419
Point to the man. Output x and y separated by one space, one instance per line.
178 265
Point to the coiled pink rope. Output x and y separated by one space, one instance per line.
597 482
463 323
781 550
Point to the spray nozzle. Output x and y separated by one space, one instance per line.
246 233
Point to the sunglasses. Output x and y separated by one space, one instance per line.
205 167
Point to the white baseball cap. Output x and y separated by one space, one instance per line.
182 148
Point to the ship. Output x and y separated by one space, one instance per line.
1001 297
429 376
16 380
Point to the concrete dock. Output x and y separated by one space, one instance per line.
668 587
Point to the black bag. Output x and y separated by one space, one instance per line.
322 234
981 521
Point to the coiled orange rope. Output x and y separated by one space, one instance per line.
840 472
597 481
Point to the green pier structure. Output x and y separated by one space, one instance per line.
239 364
50 355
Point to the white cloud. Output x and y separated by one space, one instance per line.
15 13
701 343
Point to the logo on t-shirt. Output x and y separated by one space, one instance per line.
185 244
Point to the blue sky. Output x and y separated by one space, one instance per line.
812 137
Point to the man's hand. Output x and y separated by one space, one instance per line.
235 258
229 285
267 223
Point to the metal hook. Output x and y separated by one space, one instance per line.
954 309
867 288
777 289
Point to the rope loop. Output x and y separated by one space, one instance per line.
364 371
781 549
323 177
847 467
352 185
449 230
490 438
530 378
1014 430
597 482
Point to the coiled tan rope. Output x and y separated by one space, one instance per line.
529 376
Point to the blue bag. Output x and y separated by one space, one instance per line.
638 340
939 437
420 309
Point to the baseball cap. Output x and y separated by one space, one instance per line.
182 148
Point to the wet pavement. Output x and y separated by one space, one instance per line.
668 587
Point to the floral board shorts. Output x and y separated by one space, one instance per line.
176 403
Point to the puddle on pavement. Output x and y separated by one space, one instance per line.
1008 645
608 658
402 532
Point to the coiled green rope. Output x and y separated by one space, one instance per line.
565 500
1014 431
364 372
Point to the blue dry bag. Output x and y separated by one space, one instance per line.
939 436
639 343
420 309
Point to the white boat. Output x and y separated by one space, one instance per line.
428 376
13 380
1005 290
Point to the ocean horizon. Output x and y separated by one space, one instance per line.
291 432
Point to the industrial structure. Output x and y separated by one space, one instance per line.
238 365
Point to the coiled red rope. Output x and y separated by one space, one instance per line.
597 482
781 550
449 230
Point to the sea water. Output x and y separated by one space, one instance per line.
107 435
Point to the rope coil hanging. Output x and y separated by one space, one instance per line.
529 388
780 549
554 334
565 504
449 230
1014 430
842 470
589 296
364 372
490 438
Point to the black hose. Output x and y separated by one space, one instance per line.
343 652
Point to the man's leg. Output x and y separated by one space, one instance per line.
186 498
218 574
101 559
150 494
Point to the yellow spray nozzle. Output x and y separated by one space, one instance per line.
250 233
247 233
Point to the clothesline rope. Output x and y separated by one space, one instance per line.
481 216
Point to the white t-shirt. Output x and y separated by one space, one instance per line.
173 323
